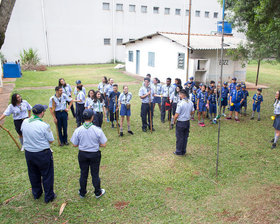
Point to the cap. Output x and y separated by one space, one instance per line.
188 82
243 86
259 89
234 78
194 88
238 85
201 84
87 114
191 78
39 108
225 83
78 82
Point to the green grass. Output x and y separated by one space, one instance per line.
141 170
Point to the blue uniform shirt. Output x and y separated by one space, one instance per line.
76 91
36 134
125 98
89 103
175 98
157 88
245 95
167 90
60 103
194 98
143 91
212 98
232 87
184 109
236 96
192 84
202 96
108 89
198 91
67 90
112 98
19 111
257 99
81 96
225 92
88 137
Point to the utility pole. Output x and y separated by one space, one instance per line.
188 44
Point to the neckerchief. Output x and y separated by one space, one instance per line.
35 118
99 105
59 99
87 125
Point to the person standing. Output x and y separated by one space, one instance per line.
276 118
98 107
59 111
257 101
146 94
183 114
89 139
113 104
167 90
102 86
21 110
236 99
108 90
156 86
66 88
202 97
175 98
125 105
81 98
224 97
89 99
37 137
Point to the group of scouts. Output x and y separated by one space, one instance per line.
104 104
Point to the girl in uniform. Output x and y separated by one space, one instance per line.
276 118
102 85
21 110
193 98
124 102
66 88
80 105
89 100
99 109
174 98
156 86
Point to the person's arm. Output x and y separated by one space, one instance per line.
230 100
176 117
2 117
52 109
103 140
70 104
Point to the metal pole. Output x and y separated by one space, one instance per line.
258 71
188 45
45 32
221 81
113 31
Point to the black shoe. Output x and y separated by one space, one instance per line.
163 122
112 126
273 146
36 198
252 118
61 144
259 119
272 141
144 129
177 154
54 197
153 129
121 134
172 126
130 132
66 143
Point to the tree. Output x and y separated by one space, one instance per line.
6 8
259 20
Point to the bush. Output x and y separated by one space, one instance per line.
2 58
30 60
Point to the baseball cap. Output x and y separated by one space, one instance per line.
194 88
234 78
238 85
191 78
87 114
225 83
78 82
201 84
39 108
259 89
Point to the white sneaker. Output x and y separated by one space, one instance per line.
22 149
102 193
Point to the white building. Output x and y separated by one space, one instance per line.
92 31
164 55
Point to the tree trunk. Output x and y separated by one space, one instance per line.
258 71
6 8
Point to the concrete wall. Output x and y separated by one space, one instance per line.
76 29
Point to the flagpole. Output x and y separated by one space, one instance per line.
221 81
188 44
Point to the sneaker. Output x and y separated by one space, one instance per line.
237 120
54 197
172 126
102 193
66 143
273 146
202 124
252 118
108 120
81 195
121 134
272 141
112 126
224 115
61 144
22 149
228 118
259 119
130 132
144 129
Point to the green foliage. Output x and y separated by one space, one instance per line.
2 57
29 57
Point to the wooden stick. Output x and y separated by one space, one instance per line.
53 109
117 116
150 105
15 141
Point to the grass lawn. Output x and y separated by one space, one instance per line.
145 182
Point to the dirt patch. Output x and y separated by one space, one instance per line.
5 93
121 205
168 189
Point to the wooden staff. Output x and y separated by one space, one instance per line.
15 141
169 113
117 115
53 109
150 105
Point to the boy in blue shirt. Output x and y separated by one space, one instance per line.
244 103
194 100
257 101
224 97
236 98
113 104
201 103
212 104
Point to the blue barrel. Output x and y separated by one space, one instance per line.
11 70
227 29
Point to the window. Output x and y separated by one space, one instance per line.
206 14
131 8
106 6
215 15
151 59
197 13
119 7
107 41
144 9
156 10
177 12
130 56
181 60
166 11
119 41
187 12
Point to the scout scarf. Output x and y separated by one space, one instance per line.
35 118
87 125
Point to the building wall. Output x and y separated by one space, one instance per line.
75 30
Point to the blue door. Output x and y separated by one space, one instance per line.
137 61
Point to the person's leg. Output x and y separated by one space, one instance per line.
203 116
59 125
236 115
144 108
186 136
47 172
111 112
121 123
259 112
84 163
65 125
94 169
72 110
82 111
163 110
199 117
179 139
128 123
159 106
34 175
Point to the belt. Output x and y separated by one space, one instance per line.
99 112
183 121
59 110
38 151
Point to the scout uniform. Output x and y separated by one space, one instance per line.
108 90
102 88
97 107
258 99
89 103
236 97
68 91
88 138
37 136
146 107
194 100
212 104
184 110
166 93
113 105
232 86
157 88
175 98
124 101
244 102
61 115
202 96
224 97
80 108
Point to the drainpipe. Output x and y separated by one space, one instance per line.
45 33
